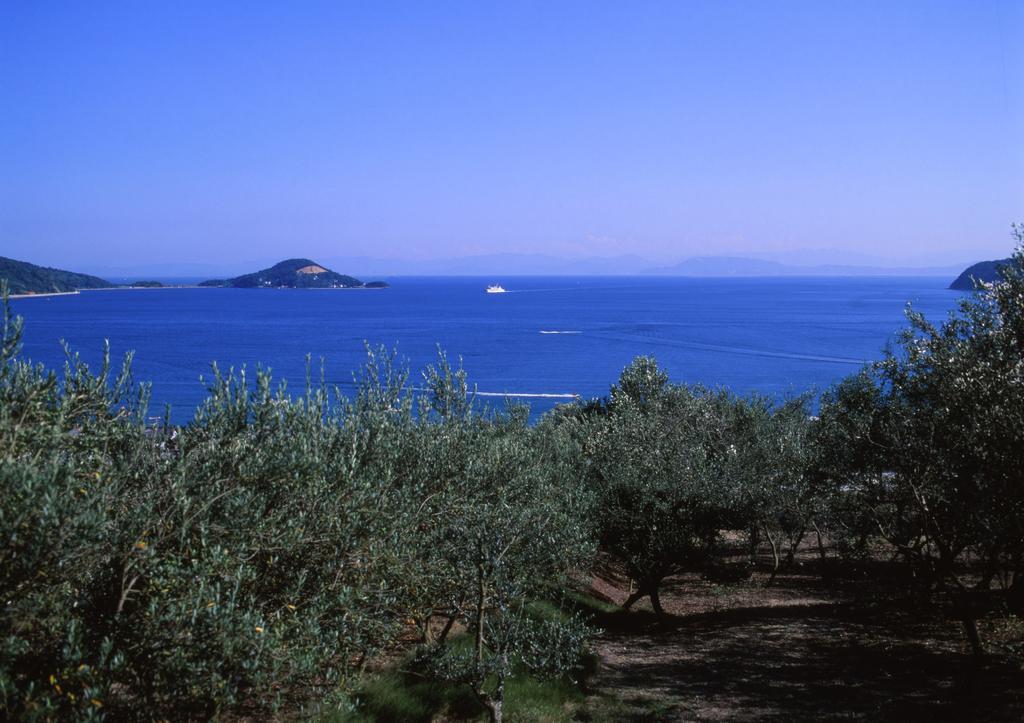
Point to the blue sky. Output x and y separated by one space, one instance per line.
152 132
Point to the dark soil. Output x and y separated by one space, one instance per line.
802 649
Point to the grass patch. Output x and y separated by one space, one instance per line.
403 694
589 605
529 699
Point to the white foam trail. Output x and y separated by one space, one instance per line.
557 288
679 343
536 395
544 331
527 395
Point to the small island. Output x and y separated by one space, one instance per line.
294 274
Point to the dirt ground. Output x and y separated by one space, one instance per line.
802 649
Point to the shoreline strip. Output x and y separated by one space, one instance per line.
43 294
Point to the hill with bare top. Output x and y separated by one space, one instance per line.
294 274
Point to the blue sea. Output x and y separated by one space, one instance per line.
545 340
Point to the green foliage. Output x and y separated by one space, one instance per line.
674 466
22 277
504 520
270 547
411 696
412 690
927 449
652 469
292 274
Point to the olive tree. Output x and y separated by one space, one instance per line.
654 471
505 522
940 432
782 496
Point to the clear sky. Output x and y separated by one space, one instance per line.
213 131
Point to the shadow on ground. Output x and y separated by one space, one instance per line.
801 653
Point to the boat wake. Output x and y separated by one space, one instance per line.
527 395
476 393
726 349
554 288
545 331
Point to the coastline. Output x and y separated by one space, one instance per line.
181 286
43 294
242 288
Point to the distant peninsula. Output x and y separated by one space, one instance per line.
984 271
25 278
294 274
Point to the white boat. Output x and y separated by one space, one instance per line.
496 289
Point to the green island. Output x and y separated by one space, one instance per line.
984 272
666 551
295 274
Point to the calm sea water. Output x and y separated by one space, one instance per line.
547 336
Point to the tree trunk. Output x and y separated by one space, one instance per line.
989 571
821 546
775 556
493 710
966 609
498 701
969 620
443 635
645 589
481 599
794 544
493 704
971 630
656 601
755 541
632 599
1015 594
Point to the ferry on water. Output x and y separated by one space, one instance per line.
496 289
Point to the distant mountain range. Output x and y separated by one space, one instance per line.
627 265
25 278
983 271
294 274
740 266
489 264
